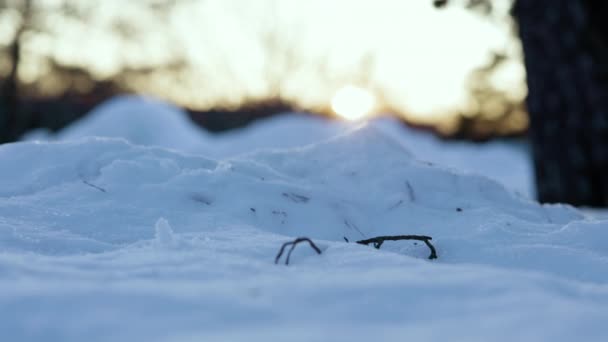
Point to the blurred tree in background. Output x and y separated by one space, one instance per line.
9 87
566 56
493 111
43 84
565 44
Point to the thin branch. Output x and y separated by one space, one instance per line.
410 192
200 198
395 205
293 246
94 186
379 240
353 227
295 197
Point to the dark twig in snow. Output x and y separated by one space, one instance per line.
293 246
395 205
295 197
94 186
410 191
200 198
379 240
353 227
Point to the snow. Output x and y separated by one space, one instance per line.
162 239
151 122
165 238
141 120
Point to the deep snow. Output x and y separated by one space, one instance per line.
150 122
103 239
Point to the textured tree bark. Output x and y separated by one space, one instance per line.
565 48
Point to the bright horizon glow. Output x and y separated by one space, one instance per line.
353 103
417 59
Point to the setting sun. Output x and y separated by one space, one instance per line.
353 103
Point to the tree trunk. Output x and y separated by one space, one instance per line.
10 96
12 122
565 49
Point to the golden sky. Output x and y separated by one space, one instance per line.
409 55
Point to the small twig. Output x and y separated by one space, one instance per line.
353 227
200 198
410 192
379 240
293 246
395 205
94 186
295 197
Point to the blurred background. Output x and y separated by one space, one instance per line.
457 70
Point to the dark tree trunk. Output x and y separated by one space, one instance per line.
12 120
566 50
10 95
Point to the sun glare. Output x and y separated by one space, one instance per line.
353 103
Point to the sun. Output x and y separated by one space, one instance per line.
353 103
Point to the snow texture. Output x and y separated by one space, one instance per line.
119 239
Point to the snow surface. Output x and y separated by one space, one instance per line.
141 120
104 239
151 122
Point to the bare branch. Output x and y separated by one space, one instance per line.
379 240
410 191
93 186
296 197
293 246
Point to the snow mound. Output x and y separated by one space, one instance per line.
355 186
488 158
146 121
140 120
285 131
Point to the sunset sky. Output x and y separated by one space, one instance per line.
408 55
